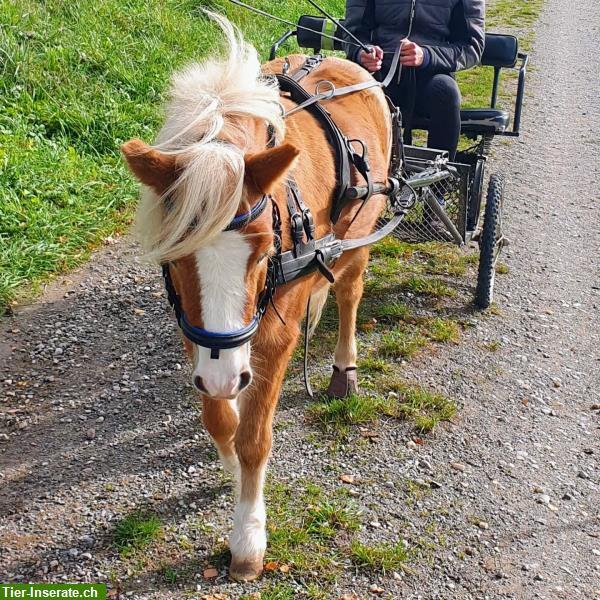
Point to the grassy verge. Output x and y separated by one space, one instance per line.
76 80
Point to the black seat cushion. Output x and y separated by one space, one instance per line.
500 50
484 119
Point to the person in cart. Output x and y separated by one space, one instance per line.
439 37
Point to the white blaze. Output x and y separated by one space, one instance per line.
221 267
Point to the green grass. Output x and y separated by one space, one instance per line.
305 524
76 80
400 343
380 558
359 409
136 531
383 396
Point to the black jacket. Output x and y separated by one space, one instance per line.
452 31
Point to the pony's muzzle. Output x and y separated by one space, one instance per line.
226 390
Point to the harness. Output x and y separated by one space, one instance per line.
308 254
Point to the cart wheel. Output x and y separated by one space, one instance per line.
490 242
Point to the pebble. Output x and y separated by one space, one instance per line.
458 467
483 525
411 445
544 499
90 434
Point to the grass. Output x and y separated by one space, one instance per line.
380 558
135 532
76 80
399 343
385 397
303 524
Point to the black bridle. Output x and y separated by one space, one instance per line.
217 341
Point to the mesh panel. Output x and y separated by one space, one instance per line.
421 223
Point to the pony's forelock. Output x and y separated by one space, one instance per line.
205 129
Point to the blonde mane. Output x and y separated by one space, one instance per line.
204 128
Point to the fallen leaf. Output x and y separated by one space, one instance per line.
525 401
350 596
215 597
139 311
271 566
418 440
366 327
210 573
375 589
347 478
284 568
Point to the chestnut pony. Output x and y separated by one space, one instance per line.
211 162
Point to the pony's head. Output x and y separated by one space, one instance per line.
211 162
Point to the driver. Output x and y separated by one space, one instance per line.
443 36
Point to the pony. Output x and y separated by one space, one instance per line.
212 161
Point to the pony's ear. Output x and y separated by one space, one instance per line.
264 170
151 167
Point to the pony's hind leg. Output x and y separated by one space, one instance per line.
220 418
348 290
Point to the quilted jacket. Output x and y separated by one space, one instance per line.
451 31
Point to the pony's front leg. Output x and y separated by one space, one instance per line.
220 418
253 439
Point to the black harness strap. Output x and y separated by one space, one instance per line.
312 62
335 138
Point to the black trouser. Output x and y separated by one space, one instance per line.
434 97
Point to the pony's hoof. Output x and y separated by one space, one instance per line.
246 570
343 384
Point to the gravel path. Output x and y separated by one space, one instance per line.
97 416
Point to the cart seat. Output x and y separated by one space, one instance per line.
483 120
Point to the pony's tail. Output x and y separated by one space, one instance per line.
317 303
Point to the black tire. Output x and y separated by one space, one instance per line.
490 242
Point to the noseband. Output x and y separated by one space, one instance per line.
216 341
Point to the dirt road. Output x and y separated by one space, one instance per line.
98 417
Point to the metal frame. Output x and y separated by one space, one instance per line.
516 128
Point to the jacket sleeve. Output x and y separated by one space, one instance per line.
359 20
467 38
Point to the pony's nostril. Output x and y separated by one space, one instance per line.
245 379
199 384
